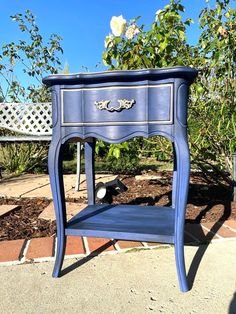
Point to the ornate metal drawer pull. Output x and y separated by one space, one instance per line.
123 104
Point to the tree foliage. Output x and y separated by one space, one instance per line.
213 136
32 58
163 43
212 114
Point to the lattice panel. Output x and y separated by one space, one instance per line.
30 119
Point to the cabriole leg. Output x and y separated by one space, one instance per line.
174 185
57 186
181 186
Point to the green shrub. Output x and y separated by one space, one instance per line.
212 113
20 158
35 59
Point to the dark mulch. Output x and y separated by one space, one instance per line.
23 223
206 203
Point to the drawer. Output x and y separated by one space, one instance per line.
117 105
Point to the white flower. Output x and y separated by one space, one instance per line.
157 13
118 24
109 41
132 31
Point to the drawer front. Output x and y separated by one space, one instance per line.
117 105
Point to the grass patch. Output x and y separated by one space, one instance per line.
102 166
159 247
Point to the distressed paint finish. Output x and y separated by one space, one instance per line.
159 107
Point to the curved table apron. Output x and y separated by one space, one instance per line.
114 107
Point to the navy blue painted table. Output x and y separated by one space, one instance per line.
114 107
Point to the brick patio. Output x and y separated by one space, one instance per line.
42 249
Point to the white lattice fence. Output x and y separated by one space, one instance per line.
30 119
34 121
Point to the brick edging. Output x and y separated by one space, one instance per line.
43 249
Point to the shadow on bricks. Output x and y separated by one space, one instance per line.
85 259
206 237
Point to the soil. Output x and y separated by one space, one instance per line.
206 203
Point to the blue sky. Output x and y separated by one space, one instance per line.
84 24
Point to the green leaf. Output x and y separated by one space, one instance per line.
116 152
189 21
163 45
181 8
182 35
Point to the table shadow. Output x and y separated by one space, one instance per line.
203 244
232 306
205 240
85 259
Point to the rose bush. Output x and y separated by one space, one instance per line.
131 31
212 113
118 24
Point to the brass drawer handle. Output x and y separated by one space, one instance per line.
123 104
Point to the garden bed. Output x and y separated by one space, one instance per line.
206 203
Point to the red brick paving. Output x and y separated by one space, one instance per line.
11 250
98 245
226 233
44 247
230 223
128 244
153 243
40 247
74 245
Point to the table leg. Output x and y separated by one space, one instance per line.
78 167
57 186
174 177
181 194
89 149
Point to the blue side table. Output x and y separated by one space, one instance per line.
116 106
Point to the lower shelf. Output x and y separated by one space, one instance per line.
126 222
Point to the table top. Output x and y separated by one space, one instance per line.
117 105
130 75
